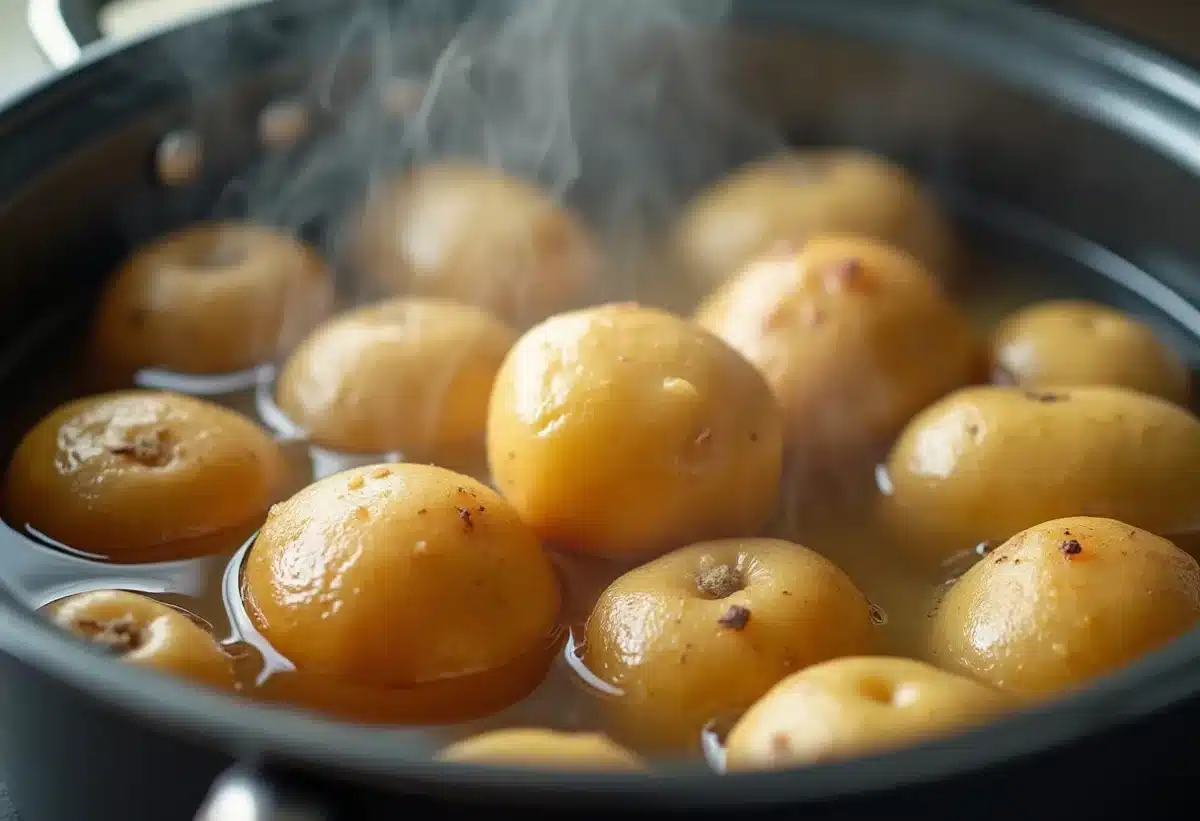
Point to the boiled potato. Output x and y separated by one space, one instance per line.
405 591
621 430
790 198
1074 342
987 462
211 299
855 706
545 749
146 633
854 338
141 476
1064 602
701 633
476 235
408 375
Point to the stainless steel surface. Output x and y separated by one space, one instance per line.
243 796
20 61
50 32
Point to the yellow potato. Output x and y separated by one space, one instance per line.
403 582
408 375
475 235
147 633
855 706
1064 602
1074 342
144 476
211 299
622 430
790 198
701 633
545 749
987 462
854 338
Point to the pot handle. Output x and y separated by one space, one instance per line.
63 28
240 794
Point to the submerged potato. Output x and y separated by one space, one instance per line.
794 197
702 632
476 235
854 338
1074 342
405 591
855 706
408 375
144 476
1066 601
987 462
544 749
621 429
146 633
210 299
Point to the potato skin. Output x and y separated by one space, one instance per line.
210 299
1064 602
683 654
854 706
144 476
788 199
987 462
853 336
476 235
622 430
146 633
1076 342
408 375
545 749
395 575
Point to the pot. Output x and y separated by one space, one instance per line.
1042 134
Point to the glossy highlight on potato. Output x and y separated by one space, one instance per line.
1064 602
139 476
1076 342
701 633
476 235
789 198
855 706
623 430
406 591
210 299
854 337
985 463
407 375
141 631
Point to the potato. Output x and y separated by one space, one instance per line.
408 375
475 235
1064 602
544 749
701 633
855 706
146 633
1074 342
987 462
211 299
854 338
140 476
406 591
790 198
623 430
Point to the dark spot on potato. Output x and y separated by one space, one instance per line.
754 437
481 509
139 317
152 448
117 636
465 515
422 511
1071 547
735 618
781 744
1045 396
1000 559
876 614
720 581
847 275
972 429
512 455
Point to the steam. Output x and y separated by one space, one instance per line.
620 109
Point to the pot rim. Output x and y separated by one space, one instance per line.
1145 96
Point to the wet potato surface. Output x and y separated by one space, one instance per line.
786 523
